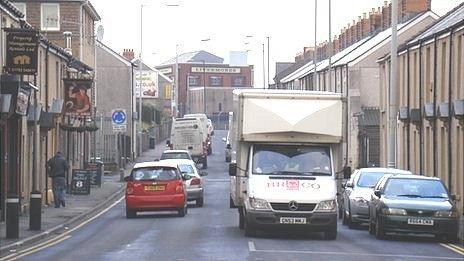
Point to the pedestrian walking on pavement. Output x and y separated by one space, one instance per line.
57 167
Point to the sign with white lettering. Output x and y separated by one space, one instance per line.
215 70
22 47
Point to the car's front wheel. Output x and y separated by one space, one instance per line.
199 202
130 213
379 232
250 230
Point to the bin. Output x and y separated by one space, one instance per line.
152 142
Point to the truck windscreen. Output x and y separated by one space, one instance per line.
291 160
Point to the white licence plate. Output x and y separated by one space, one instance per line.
417 221
292 220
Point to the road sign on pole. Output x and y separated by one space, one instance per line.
119 120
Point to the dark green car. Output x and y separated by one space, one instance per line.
414 205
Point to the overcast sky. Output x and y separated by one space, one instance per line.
289 24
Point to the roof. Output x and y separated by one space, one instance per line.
357 51
322 65
386 170
175 151
178 161
7 6
114 54
452 19
414 177
154 164
195 57
369 117
381 39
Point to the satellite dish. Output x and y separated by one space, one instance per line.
100 32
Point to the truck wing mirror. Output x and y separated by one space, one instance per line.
377 193
347 172
233 169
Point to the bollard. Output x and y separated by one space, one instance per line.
121 175
12 217
35 211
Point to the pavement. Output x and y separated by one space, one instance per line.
211 233
78 208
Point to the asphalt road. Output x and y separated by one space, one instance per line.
211 233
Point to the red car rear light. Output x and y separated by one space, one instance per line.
179 188
129 190
195 181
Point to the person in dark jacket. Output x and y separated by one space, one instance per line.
57 167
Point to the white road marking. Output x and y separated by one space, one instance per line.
251 246
59 238
355 254
217 180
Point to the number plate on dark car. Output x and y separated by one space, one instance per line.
418 221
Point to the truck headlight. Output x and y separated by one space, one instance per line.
259 204
327 206
361 201
394 212
446 214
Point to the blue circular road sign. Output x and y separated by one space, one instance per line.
119 117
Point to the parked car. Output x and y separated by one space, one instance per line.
357 193
228 151
193 179
176 154
153 186
413 204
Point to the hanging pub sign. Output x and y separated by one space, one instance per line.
77 101
22 100
22 47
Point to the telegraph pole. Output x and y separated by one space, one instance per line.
392 106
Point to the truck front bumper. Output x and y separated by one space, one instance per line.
316 221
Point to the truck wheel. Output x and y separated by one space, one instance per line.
331 234
130 213
205 163
241 218
199 202
250 231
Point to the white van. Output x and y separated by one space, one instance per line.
207 131
187 134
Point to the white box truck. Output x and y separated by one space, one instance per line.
207 131
288 155
187 134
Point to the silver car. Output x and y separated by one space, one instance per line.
357 193
193 179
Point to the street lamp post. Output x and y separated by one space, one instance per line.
204 87
140 80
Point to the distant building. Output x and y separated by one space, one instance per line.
202 69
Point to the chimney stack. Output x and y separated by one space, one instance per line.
128 54
68 42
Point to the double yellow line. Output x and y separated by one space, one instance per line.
455 248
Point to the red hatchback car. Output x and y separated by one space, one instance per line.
155 186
